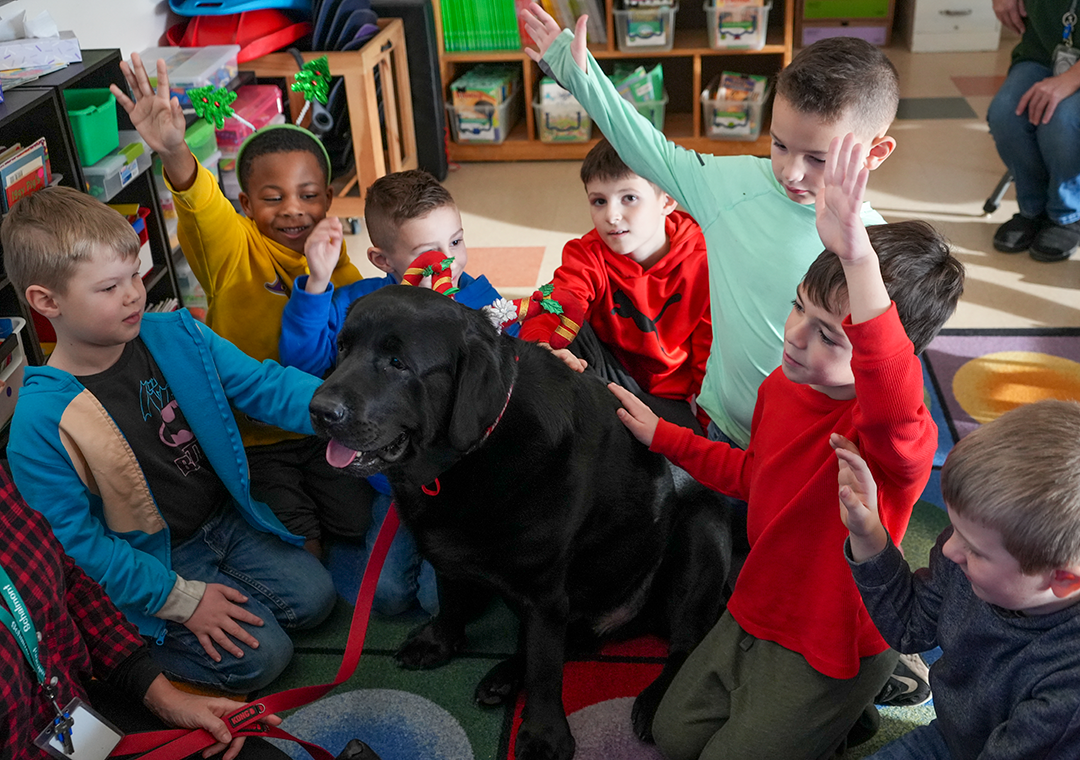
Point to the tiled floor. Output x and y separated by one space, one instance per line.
518 215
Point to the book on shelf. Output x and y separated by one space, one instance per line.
25 172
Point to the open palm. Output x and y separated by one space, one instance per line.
839 204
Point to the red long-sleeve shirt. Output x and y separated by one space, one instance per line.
796 588
655 321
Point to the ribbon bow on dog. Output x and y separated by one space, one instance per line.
544 300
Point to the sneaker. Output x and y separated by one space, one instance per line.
1017 234
1056 242
909 685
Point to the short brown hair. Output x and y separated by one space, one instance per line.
840 77
45 235
1020 475
603 163
921 275
398 197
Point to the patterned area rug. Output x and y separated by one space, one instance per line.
971 376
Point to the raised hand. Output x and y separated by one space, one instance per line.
322 250
858 500
215 621
158 118
839 204
635 414
544 29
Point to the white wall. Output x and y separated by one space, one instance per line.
125 24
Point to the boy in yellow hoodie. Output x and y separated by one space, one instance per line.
247 265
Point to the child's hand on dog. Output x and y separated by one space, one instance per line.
322 250
568 358
638 418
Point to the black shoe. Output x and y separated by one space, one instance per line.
1016 235
1056 242
909 685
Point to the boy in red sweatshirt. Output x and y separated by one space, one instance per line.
795 661
643 278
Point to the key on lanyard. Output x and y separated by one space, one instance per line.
62 723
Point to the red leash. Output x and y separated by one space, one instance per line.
174 744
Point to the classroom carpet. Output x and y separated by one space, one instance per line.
971 376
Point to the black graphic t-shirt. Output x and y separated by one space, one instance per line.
134 392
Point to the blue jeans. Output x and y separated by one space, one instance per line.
287 588
922 743
1044 159
405 574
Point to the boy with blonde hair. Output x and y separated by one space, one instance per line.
125 441
1000 595
641 274
795 660
247 266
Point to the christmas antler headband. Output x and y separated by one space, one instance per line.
313 82
215 105
434 265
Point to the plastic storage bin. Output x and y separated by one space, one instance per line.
725 119
484 122
258 104
201 138
114 172
561 122
737 27
92 114
193 67
654 110
646 27
12 364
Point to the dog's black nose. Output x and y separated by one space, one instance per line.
326 411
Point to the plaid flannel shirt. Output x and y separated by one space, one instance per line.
82 632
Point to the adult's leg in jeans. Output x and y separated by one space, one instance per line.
286 587
398 584
604 365
1058 141
921 743
132 717
1016 139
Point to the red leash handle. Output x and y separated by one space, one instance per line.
173 744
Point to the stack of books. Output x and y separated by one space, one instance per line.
23 171
483 25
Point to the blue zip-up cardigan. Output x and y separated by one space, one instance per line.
71 462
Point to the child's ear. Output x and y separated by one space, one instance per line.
880 149
42 301
379 260
669 203
1065 582
245 203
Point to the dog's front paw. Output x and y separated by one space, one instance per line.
544 741
425 649
648 700
500 684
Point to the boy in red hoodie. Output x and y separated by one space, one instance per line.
642 276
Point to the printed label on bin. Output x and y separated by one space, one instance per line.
645 28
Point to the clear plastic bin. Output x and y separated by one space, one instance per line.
646 27
732 119
12 365
113 173
737 27
562 122
257 104
484 122
653 110
193 67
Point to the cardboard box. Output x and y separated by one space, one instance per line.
40 51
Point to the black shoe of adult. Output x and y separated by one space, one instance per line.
1017 234
1056 242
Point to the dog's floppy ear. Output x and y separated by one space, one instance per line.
480 391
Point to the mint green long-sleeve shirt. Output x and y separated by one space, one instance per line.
760 242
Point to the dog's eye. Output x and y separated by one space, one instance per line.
396 363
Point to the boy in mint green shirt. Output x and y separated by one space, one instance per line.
758 215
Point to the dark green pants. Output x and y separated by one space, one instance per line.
738 698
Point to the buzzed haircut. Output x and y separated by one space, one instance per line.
840 77
921 275
1020 475
396 198
47 234
268 141
602 163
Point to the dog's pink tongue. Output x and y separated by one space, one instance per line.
338 455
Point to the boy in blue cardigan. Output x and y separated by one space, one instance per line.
407 213
127 443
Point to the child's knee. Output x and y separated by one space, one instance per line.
317 600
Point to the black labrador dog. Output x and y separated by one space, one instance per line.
515 475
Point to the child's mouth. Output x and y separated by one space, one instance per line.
293 232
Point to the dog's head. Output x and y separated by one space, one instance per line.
418 381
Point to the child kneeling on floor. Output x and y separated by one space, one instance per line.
795 662
126 441
1000 595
